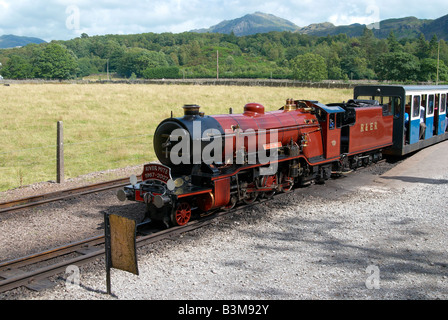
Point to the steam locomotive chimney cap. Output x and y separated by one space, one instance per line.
191 109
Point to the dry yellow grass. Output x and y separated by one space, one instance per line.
109 126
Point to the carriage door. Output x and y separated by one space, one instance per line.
442 114
414 122
429 116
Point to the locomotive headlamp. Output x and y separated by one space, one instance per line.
179 182
171 185
133 179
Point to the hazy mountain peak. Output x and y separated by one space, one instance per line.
12 41
257 22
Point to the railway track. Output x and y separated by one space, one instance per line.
25 203
34 270
45 264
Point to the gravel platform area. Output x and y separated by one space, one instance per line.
356 237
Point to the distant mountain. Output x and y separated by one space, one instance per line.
438 26
316 28
409 27
257 22
12 41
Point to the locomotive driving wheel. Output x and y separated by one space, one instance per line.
250 197
287 183
270 182
181 215
231 204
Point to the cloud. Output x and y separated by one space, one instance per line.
351 13
66 19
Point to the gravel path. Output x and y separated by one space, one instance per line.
354 238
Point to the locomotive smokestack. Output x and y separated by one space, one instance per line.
191 110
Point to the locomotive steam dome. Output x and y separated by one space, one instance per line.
252 109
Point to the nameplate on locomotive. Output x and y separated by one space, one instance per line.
155 171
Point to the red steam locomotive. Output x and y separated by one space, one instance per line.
215 162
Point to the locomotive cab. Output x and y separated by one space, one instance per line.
331 120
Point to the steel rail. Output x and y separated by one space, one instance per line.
45 272
19 204
52 253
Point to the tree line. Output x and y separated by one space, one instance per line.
278 55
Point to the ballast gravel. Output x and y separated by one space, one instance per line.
353 238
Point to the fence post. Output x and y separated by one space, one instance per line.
60 153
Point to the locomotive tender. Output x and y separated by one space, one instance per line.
214 162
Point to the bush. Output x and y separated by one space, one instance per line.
309 67
398 66
138 60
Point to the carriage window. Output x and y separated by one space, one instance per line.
431 104
416 107
365 98
391 106
386 102
407 107
396 106
442 103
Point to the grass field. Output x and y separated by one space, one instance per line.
109 126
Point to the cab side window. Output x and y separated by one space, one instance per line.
332 123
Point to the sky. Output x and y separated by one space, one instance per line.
68 19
